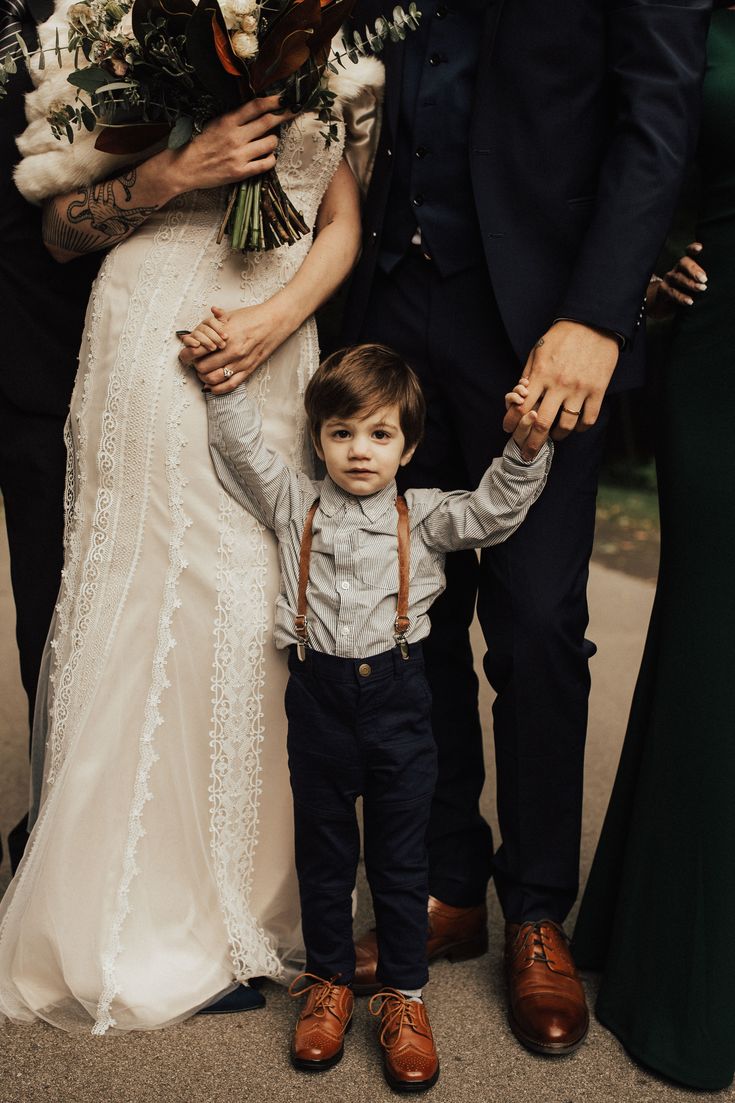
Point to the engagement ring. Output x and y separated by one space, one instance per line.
227 372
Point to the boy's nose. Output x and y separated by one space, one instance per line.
360 449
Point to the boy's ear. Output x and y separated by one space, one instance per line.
317 447
408 455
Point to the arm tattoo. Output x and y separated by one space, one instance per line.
109 221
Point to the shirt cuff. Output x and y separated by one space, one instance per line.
513 453
622 341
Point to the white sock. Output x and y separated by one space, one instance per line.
412 993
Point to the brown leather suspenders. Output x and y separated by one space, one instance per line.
402 622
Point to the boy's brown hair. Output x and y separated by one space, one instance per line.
365 377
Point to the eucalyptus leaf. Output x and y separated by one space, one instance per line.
90 79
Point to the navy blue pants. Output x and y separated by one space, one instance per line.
362 728
530 593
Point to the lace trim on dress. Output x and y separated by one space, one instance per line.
152 716
75 439
237 734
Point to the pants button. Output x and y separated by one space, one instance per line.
365 669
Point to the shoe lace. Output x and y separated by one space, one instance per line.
324 991
397 1011
537 945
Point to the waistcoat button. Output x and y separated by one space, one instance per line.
365 669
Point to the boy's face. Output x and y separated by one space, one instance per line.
363 453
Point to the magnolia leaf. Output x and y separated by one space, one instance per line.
201 53
130 139
283 47
225 53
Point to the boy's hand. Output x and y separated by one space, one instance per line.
209 336
522 431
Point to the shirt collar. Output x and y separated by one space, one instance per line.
334 498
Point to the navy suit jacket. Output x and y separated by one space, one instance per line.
585 118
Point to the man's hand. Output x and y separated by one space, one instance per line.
568 372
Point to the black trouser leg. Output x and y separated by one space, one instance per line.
326 779
533 610
401 777
32 473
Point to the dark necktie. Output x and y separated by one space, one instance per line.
12 13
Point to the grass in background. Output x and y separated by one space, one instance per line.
627 535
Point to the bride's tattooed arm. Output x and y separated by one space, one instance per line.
233 147
96 217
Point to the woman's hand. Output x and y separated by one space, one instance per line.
231 148
677 286
230 345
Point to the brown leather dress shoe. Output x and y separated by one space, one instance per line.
547 1008
455 933
410 1062
318 1040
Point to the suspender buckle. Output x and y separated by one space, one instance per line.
301 630
401 626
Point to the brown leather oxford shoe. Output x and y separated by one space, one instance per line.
455 933
410 1062
318 1040
547 1009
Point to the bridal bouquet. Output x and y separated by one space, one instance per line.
150 69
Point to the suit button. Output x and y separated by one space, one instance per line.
418 200
441 12
421 152
437 59
389 152
365 670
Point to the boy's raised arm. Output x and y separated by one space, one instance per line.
249 470
476 519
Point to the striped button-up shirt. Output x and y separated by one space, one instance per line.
353 580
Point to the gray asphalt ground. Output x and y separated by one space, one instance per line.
229 1059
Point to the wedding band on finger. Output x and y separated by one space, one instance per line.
228 373
572 413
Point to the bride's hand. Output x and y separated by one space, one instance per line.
253 334
231 148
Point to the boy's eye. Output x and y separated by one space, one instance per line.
340 434
381 434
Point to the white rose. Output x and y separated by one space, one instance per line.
245 45
228 14
244 7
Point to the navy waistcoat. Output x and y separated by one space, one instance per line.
431 186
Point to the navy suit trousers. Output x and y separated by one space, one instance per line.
362 728
530 594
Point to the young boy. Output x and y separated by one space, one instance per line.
360 569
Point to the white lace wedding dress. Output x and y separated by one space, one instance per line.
160 870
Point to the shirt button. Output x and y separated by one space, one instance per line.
418 200
345 585
345 631
365 669
421 152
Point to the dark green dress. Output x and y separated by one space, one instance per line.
658 914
